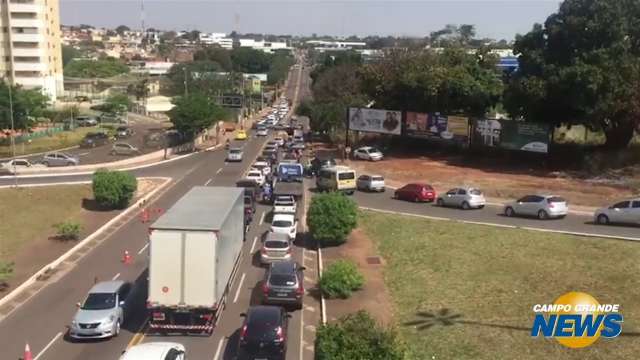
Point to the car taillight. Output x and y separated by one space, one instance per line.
289 251
279 334
265 288
263 251
300 290
550 203
243 332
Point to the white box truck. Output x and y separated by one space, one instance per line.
194 252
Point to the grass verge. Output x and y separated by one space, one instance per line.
476 285
28 214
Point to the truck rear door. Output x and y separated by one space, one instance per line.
165 264
199 269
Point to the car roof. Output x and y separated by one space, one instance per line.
283 217
150 351
264 313
283 267
107 286
255 171
271 236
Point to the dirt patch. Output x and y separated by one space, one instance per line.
374 297
497 185
35 254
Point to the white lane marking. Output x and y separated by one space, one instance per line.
261 219
208 182
143 248
235 298
116 276
253 246
58 335
219 349
83 154
218 172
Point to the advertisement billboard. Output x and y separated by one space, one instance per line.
431 126
378 121
512 135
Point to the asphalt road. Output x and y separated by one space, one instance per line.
41 321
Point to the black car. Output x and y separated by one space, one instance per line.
264 333
124 132
251 188
94 139
270 153
283 284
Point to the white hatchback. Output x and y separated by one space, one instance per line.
285 224
256 175
623 212
155 351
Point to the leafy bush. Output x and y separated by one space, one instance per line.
6 269
331 218
103 68
340 279
68 230
114 189
357 337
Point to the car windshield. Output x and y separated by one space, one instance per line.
282 279
276 244
555 199
120 129
374 150
285 202
347 176
254 174
475 192
259 166
282 223
377 178
99 301
234 151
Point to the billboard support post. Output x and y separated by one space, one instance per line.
346 129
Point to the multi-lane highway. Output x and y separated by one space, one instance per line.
41 320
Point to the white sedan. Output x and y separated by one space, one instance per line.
368 153
257 176
155 351
623 212
262 166
285 224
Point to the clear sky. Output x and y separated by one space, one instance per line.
495 19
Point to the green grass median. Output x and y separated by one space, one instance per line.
468 290
54 142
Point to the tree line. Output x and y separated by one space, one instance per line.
581 67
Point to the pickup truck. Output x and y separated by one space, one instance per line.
284 204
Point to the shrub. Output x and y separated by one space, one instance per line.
6 269
357 337
331 218
114 189
340 279
68 230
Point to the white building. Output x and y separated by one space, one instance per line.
154 68
30 50
220 39
266 46
336 45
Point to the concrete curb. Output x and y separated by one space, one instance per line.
136 206
39 153
498 204
564 232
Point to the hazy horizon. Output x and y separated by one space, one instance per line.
493 19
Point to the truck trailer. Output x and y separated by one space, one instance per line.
194 252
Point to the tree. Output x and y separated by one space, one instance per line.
69 53
581 67
122 29
103 68
357 336
202 77
279 68
215 54
247 60
113 189
115 103
453 81
331 218
195 113
28 104
139 89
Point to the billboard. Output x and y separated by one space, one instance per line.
437 126
512 135
378 121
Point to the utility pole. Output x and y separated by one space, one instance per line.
186 91
13 135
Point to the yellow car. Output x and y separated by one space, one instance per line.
241 135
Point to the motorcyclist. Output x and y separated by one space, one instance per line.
227 144
266 192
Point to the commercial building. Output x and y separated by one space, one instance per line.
220 39
266 46
30 45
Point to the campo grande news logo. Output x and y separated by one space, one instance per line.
577 320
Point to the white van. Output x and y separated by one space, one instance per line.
337 178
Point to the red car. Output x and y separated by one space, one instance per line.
416 192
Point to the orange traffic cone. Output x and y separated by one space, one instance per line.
144 217
27 353
126 258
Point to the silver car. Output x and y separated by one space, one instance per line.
540 206
276 247
368 153
623 212
370 183
465 197
59 159
124 149
234 155
103 312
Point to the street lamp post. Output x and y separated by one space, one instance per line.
13 136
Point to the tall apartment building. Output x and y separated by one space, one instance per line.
30 44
